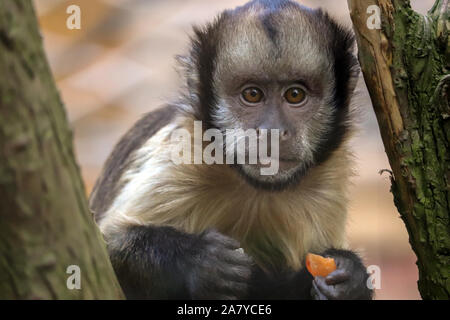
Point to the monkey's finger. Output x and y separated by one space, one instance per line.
234 257
343 263
219 286
316 293
236 273
231 243
337 276
215 236
331 292
233 288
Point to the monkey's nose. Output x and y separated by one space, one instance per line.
284 134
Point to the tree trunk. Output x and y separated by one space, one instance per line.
405 66
45 224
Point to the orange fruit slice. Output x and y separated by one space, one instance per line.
319 266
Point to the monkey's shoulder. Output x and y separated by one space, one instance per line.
107 184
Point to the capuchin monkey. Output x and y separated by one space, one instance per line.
227 231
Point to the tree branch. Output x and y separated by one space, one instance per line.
45 223
405 67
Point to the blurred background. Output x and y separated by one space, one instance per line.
120 65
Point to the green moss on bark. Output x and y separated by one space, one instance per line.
417 145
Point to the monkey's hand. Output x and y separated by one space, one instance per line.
219 270
347 282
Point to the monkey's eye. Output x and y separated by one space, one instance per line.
252 95
295 95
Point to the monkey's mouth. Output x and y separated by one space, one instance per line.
288 172
288 160
283 163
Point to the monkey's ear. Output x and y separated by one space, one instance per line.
346 65
351 61
199 67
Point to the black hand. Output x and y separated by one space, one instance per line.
164 263
347 282
219 270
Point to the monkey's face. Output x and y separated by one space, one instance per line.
276 69
296 107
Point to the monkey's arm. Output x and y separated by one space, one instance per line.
163 263
348 282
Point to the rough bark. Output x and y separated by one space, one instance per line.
45 224
405 66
